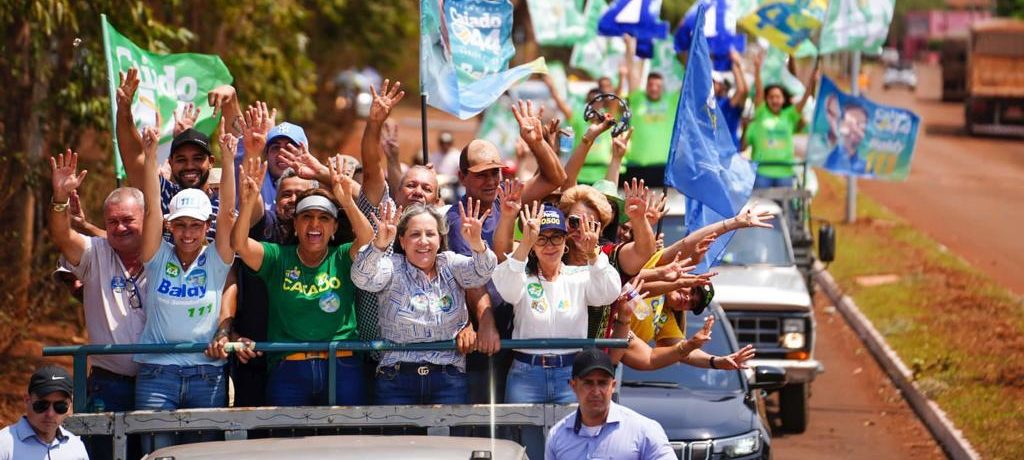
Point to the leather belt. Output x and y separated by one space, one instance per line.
304 355
545 360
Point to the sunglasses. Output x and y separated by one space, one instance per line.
133 294
40 406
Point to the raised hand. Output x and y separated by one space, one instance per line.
220 96
551 133
622 309
187 119
591 230
636 199
703 336
250 178
65 177
510 193
150 141
531 128
657 207
620 143
342 184
747 218
384 101
472 224
704 245
737 360
530 218
228 147
257 122
386 224
304 163
599 126
128 84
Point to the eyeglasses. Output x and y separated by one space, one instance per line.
133 294
553 240
40 406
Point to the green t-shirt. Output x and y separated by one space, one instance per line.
652 128
308 304
595 167
771 138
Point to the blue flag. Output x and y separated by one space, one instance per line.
639 18
465 46
703 163
719 29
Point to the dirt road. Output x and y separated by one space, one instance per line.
962 191
856 412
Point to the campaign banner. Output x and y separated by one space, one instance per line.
638 18
786 24
556 22
856 25
853 136
167 82
719 29
666 62
597 55
465 46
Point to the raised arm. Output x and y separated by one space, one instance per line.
372 269
344 189
688 245
634 69
579 154
251 176
129 141
473 271
153 224
620 145
557 96
634 255
807 94
389 142
187 119
531 130
372 150
257 123
758 84
305 164
65 181
742 90
79 222
226 211
510 277
224 100
510 194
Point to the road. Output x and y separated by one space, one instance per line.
855 410
960 188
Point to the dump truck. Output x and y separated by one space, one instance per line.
995 78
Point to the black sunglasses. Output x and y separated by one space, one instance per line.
40 406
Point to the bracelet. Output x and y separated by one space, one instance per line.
711 362
60 207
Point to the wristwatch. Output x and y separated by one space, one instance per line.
60 207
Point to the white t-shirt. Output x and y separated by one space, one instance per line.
109 317
555 310
183 305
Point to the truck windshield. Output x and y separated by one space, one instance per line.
689 377
758 246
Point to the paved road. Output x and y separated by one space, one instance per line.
964 192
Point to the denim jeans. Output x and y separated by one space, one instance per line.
529 383
304 383
769 182
108 393
420 383
168 387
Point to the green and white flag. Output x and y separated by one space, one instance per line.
666 62
166 83
556 22
596 55
856 25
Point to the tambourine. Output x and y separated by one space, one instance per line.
591 114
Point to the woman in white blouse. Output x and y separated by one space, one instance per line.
550 300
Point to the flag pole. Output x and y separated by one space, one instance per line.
851 180
118 168
423 95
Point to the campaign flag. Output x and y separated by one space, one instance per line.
638 18
556 22
856 25
703 163
597 55
719 29
853 136
465 46
787 24
666 62
166 83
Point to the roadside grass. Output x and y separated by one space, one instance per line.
960 332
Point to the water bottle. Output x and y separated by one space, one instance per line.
566 139
641 310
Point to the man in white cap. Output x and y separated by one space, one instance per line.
38 435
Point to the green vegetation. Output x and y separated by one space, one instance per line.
959 332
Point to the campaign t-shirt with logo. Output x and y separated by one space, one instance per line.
771 138
652 124
111 316
182 304
308 304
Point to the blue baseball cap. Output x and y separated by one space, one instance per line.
552 219
293 132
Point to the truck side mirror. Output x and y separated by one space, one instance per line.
826 242
768 378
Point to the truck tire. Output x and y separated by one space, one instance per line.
793 407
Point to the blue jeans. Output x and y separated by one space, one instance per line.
168 387
109 393
420 383
769 182
530 383
304 383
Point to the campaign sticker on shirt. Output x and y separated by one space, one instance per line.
535 290
539 306
330 302
196 278
172 270
419 301
292 274
563 306
659 321
117 284
202 260
445 303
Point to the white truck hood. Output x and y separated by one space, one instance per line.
763 288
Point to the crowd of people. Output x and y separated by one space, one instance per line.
289 248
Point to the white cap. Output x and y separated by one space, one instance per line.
316 202
190 202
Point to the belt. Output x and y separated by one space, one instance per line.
103 373
423 369
545 360
304 355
